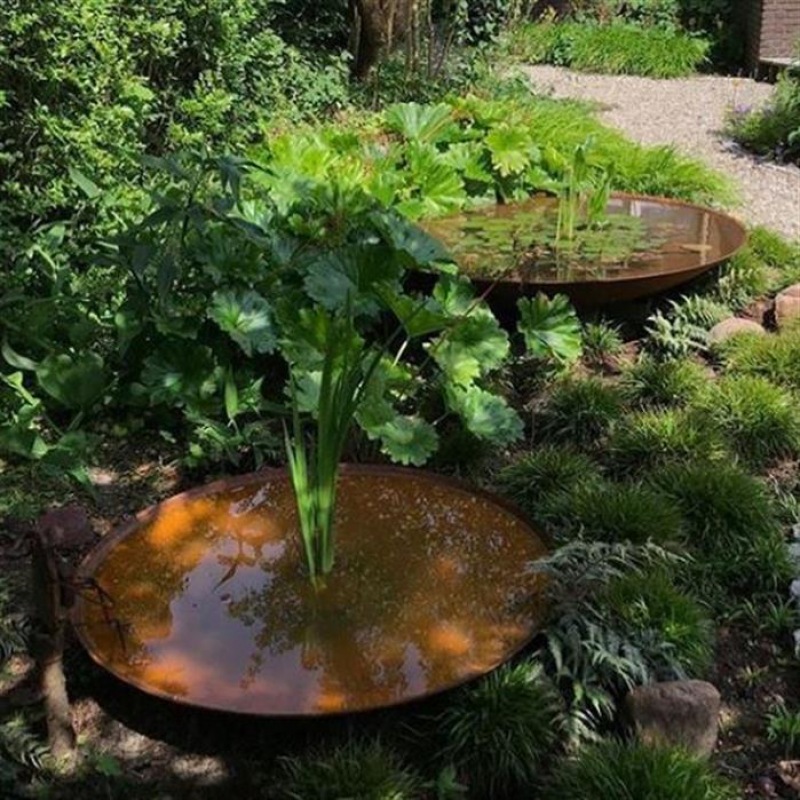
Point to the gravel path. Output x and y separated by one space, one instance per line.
690 114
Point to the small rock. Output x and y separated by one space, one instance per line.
787 305
675 713
794 588
733 326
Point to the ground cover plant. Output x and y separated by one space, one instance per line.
775 129
163 320
618 48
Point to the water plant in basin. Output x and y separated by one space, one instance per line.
571 230
311 291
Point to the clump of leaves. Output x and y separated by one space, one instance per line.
775 357
550 328
700 310
730 524
592 653
761 420
544 472
500 732
652 437
362 770
601 340
615 512
614 770
579 411
650 604
652 382
670 336
772 248
783 728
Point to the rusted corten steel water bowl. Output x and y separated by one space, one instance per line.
688 240
209 603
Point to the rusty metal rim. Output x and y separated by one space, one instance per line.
666 201
98 553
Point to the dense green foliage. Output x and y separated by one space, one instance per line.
500 733
650 604
650 438
94 84
361 770
775 357
730 524
761 420
618 49
578 411
775 129
618 771
650 382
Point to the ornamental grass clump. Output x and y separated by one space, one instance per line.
501 732
729 525
542 473
760 420
775 357
646 439
617 49
578 411
650 604
358 769
616 512
651 382
616 770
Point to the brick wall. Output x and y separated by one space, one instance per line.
780 28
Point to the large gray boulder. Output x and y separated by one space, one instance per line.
675 713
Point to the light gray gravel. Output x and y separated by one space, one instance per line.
690 114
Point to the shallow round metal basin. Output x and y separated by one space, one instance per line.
687 241
207 600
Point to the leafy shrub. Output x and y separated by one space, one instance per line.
593 653
94 85
616 49
578 411
775 357
614 770
545 471
761 420
362 770
775 129
650 604
700 310
500 732
618 512
432 159
671 336
664 383
730 523
649 438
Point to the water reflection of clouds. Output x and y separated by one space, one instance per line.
431 584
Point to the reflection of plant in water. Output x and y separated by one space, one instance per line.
383 640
